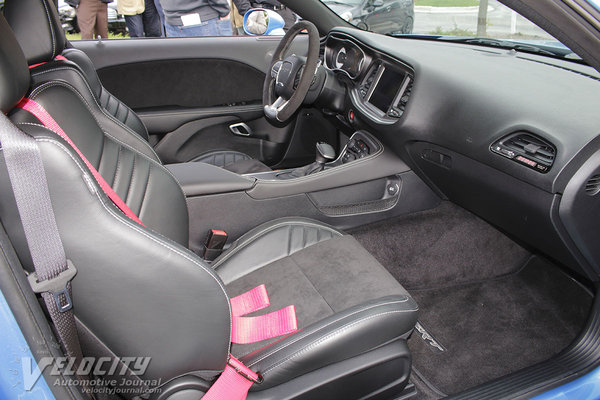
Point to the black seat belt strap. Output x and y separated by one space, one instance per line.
53 272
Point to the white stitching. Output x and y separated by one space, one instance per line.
332 334
46 85
165 241
154 162
51 28
245 243
100 107
308 333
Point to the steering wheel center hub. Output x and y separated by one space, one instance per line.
286 76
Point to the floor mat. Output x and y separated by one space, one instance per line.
491 328
446 245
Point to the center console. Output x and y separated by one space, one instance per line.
364 183
360 145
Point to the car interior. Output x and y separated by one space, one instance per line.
430 209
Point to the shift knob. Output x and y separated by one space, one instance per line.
325 153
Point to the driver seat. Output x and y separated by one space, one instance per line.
139 290
38 29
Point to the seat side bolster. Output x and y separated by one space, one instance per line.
270 242
339 337
140 293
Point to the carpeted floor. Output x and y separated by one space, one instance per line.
496 327
441 247
492 307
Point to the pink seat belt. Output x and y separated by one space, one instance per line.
234 382
254 329
46 119
236 379
58 57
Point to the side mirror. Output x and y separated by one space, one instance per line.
377 3
259 21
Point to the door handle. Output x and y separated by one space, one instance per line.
240 129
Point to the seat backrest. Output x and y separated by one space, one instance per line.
38 29
138 290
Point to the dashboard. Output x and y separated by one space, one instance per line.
381 86
513 137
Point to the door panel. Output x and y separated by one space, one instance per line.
188 83
188 91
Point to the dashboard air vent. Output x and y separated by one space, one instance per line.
592 186
527 149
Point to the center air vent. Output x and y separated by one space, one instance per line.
592 186
527 149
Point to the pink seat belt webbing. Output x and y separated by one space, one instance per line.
58 57
234 382
253 300
46 119
236 379
254 329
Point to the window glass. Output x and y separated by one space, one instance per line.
446 19
119 19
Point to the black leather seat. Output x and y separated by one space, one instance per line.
39 33
139 290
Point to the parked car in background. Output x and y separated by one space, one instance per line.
116 21
68 17
381 16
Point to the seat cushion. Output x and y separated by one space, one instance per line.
346 302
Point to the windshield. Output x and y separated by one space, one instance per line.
482 22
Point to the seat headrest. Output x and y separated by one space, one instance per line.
14 74
38 29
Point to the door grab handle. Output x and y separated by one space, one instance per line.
240 129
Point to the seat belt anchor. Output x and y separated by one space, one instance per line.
57 286
244 371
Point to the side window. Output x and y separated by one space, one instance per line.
122 19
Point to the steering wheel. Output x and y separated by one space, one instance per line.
283 94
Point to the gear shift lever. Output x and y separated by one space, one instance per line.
325 154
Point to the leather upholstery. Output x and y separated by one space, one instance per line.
14 77
270 242
38 29
107 101
66 73
233 161
140 291
346 302
39 32
222 158
341 336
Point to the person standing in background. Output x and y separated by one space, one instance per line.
141 17
92 18
161 15
196 18
237 18
288 15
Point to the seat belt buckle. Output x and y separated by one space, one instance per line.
213 246
244 371
56 286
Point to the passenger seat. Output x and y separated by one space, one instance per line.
39 32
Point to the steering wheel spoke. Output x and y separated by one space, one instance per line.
272 110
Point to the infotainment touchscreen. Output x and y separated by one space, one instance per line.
386 89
